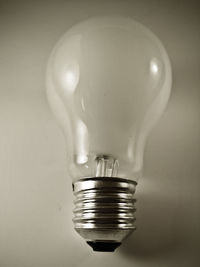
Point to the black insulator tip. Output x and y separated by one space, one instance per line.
103 246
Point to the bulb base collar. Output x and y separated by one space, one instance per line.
104 211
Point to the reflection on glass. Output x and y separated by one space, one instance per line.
154 66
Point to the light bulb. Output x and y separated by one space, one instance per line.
108 82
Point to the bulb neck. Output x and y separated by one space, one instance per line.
104 211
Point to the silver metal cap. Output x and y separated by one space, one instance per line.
104 211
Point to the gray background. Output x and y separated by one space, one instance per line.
35 192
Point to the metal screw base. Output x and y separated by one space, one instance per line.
104 211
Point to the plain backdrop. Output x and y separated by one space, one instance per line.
35 191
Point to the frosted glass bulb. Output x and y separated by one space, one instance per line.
108 82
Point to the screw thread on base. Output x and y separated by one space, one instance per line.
104 211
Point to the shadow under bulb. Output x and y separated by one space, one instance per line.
108 82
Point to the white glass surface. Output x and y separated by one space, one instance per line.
108 82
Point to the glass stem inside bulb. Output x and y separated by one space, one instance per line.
106 166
